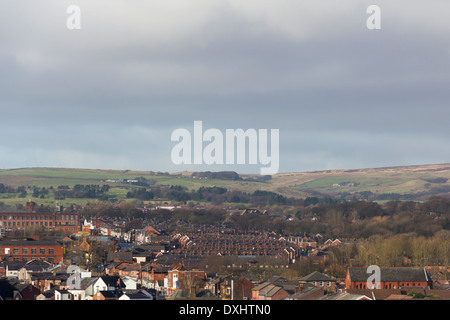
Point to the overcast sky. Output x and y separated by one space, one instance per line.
110 94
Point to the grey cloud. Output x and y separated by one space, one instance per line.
161 65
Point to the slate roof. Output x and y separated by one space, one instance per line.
112 280
138 296
121 256
28 243
108 294
185 294
311 293
345 296
392 274
317 276
267 289
6 290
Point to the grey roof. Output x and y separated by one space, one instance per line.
86 282
316 276
48 276
28 243
6 290
14 265
305 294
185 294
138 296
123 256
112 280
392 274
345 296
108 294
267 289
270 290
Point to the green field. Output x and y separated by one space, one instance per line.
401 180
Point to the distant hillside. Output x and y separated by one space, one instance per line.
406 183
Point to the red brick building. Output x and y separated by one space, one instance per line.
390 278
13 220
28 250
181 278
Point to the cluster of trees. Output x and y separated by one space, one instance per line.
350 219
140 194
221 175
215 195
399 250
7 189
125 210
79 191
371 196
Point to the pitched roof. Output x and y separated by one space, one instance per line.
267 289
112 280
6 290
270 290
311 293
28 243
392 274
185 294
108 294
86 282
316 276
345 296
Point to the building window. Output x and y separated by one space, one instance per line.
16 250
33 250
24 250
51 251
42 251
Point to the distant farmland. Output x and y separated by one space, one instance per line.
409 182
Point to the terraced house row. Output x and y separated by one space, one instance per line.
244 244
